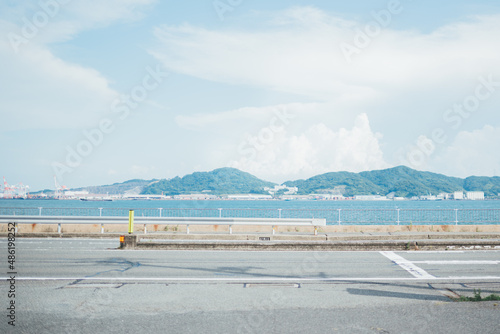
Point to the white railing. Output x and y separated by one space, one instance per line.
332 216
187 221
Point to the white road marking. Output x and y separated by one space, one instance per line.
407 265
74 249
458 262
253 279
94 285
437 252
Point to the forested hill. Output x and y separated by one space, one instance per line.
402 181
219 181
128 187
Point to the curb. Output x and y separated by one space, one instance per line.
353 245
270 237
268 242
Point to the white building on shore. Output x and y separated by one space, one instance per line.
250 197
475 195
370 198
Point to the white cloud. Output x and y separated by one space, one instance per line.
40 90
404 80
228 120
299 52
471 153
317 150
60 20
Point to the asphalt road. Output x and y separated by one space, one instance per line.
88 286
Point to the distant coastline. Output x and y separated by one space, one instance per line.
398 183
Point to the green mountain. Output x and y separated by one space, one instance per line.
217 182
490 185
407 182
351 183
401 180
128 187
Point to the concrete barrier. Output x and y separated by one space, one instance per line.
243 229
128 241
133 242
143 222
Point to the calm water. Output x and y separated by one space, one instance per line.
242 204
335 212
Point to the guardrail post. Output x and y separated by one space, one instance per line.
40 211
339 215
131 221
187 229
160 211
100 212
456 216
220 212
59 228
230 229
145 229
279 213
398 216
274 229
315 230
102 228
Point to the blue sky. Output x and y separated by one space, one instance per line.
102 92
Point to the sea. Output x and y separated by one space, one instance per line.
335 212
254 204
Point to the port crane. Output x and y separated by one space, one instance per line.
14 191
59 188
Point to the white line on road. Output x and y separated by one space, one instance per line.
442 252
407 265
102 248
458 262
254 279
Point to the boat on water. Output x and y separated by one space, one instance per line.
96 199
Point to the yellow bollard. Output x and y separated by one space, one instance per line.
131 222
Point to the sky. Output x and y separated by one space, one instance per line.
97 92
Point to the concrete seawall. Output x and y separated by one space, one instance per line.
298 238
139 228
349 242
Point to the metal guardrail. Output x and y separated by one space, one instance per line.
103 220
332 216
